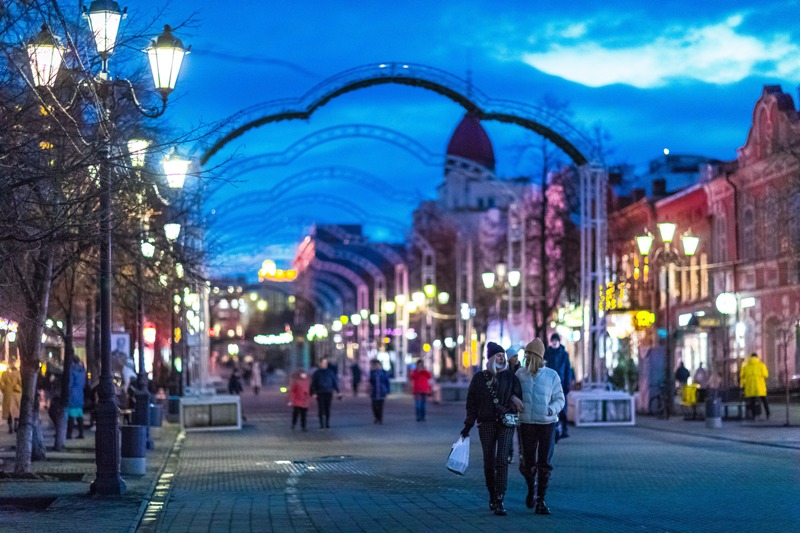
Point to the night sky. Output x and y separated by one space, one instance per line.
674 74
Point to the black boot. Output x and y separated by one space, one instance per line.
499 510
530 498
541 490
70 425
80 427
492 501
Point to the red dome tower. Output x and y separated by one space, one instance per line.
470 141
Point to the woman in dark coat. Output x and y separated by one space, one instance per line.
495 436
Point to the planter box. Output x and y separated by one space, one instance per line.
601 408
211 413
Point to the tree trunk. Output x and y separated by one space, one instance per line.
29 439
61 404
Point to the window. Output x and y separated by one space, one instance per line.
721 239
748 234
771 231
703 276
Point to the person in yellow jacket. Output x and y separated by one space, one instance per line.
753 377
11 387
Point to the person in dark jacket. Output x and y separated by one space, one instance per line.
77 381
556 357
323 383
355 370
494 383
379 389
512 354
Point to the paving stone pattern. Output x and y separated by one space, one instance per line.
357 476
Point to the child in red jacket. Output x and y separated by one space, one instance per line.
421 388
299 394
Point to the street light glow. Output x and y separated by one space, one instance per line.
175 167
45 55
514 277
429 290
418 298
667 230
644 243
104 17
690 244
166 54
444 297
137 151
488 279
172 230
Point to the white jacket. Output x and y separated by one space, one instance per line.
542 395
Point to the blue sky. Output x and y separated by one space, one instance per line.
676 74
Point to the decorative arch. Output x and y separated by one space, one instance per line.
547 124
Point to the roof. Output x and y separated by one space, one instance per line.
470 141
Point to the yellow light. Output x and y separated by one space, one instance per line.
177 334
344 319
262 305
426 347
430 290
465 358
386 340
388 307
400 299
3 367
253 296
284 390
44 369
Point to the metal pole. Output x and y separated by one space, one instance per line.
142 415
669 397
107 444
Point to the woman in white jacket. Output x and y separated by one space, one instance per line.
543 398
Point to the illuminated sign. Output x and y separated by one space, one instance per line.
612 296
270 272
643 319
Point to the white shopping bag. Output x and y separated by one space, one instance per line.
458 461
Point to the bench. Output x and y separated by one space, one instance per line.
732 399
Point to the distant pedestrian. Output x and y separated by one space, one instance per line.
323 383
235 387
682 374
420 388
700 376
255 379
77 382
544 398
11 387
355 370
753 377
299 394
556 358
379 389
492 393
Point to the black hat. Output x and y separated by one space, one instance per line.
555 337
492 348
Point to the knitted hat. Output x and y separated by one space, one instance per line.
492 349
536 346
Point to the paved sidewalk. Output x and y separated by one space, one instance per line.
59 500
357 476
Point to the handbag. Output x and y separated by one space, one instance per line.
510 420
458 460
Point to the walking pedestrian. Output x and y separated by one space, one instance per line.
323 383
420 388
77 381
299 393
356 372
512 354
753 377
11 387
255 380
492 393
235 387
700 376
379 389
543 397
557 358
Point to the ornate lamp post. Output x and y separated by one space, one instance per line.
667 255
500 281
166 55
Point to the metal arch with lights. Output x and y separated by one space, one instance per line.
667 255
46 55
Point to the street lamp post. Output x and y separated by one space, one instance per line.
166 55
667 255
498 282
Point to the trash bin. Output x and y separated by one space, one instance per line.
713 412
156 420
134 449
174 409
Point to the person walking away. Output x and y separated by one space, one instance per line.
512 354
379 389
701 376
356 371
420 388
11 386
299 394
492 393
77 382
557 358
753 377
543 398
323 383
255 380
235 387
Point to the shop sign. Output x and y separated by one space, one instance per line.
613 296
643 319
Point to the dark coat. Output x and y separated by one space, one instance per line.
324 380
480 404
235 384
379 384
356 370
558 360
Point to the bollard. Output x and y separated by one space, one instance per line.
713 412
156 420
134 447
174 409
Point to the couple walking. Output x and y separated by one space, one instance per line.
535 394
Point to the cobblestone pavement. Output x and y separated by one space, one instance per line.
660 476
